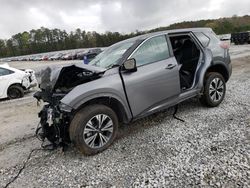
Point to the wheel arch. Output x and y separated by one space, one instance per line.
219 68
111 102
15 84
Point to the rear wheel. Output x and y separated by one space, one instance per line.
15 92
93 129
214 89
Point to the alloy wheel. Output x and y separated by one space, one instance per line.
216 89
98 131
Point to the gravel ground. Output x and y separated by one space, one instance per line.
210 149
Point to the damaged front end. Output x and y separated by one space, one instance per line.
54 84
54 122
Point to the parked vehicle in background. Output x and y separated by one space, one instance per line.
13 82
31 58
90 54
225 37
38 58
8 60
45 58
41 58
80 54
22 59
240 38
130 80
57 56
69 56
95 50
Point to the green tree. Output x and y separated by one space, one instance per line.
45 39
2 48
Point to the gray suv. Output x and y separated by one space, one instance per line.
129 80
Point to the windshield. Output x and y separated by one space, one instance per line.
112 55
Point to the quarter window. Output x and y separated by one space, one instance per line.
214 40
4 72
202 38
153 50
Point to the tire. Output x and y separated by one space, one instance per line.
15 92
87 134
214 90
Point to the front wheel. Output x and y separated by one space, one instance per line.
93 129
214 89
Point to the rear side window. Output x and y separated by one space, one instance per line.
4 72
214 40
153 50
204 39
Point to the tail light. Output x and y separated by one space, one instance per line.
224 45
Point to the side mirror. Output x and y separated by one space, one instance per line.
130 65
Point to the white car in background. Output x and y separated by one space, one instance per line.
13 82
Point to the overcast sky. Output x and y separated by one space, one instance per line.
110 15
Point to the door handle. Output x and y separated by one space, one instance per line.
170 66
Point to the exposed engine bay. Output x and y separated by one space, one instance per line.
54 84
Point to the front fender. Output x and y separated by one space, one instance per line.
110 85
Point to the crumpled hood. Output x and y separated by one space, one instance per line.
52 77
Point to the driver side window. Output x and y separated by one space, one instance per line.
153 50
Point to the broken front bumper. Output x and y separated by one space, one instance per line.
54 125
54 118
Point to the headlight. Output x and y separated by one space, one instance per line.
65 108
